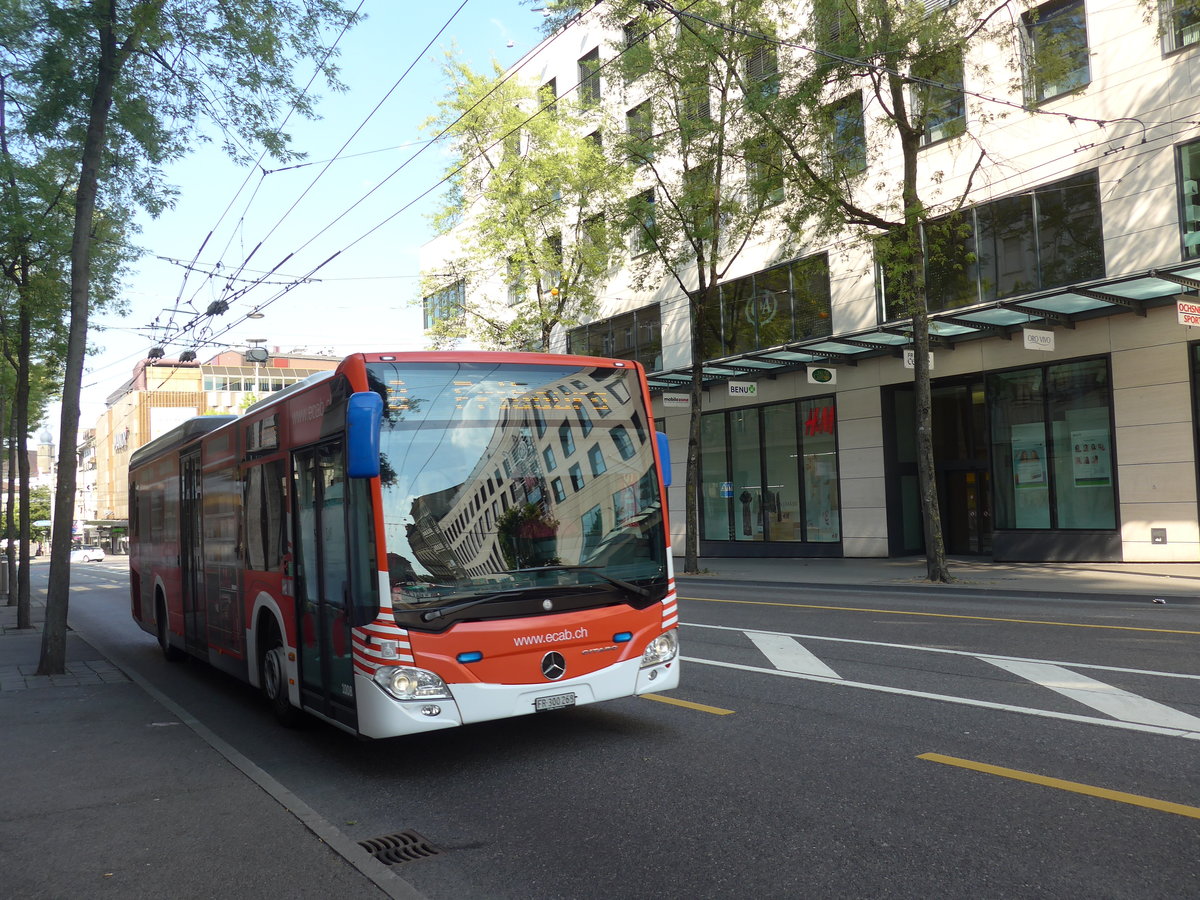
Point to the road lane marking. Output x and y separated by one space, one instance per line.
1178 809
688 704
947 651
901 612
787 654
1115 702
961 701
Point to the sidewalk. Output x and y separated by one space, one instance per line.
109 791
1142 582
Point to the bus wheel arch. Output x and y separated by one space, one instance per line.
273 668
162 629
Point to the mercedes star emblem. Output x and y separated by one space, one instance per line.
554 666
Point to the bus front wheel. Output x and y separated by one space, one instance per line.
273 678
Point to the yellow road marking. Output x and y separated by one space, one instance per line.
715 710
903 612
1178 809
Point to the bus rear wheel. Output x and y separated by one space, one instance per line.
273 678
172 654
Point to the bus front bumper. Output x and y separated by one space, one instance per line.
381 716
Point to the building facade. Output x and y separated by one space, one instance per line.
161 394
1063 312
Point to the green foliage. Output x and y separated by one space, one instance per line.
528 188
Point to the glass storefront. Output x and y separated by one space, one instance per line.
769 474
1052 450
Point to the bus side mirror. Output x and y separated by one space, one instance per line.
364 417
664 456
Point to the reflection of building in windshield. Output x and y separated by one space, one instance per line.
567 464
425 535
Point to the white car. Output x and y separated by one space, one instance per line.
87 554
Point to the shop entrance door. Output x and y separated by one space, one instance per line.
962 470
966 499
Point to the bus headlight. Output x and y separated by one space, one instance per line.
405 683
662 649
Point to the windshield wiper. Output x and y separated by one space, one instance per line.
616 582
430 614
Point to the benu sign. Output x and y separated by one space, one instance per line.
743 389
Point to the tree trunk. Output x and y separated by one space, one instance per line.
691 560
54 633
935 549
10 510
21 427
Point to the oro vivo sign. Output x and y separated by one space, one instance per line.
1189 312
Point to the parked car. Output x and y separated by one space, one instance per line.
87 553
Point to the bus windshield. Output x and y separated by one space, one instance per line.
517 479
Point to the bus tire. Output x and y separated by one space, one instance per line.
170 653
272 675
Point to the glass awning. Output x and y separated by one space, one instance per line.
1061 307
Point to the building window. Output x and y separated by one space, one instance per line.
1189 198
764 174
1044 238
635 335
836 27
639 123
566 439
592 526
770 473
643 223
560 492
939 105
448 303
589 78
1056 50
762 73
636 51
1180 24
776 306
596 460
1052 452
515 276
696 98
576 474
548 456
848 145
623 441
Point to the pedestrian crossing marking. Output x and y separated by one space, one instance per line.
789 655
1129 711
1103 697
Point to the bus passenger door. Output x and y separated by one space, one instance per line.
191 555
322 579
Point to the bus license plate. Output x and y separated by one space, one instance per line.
558 701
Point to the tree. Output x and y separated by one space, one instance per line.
119 86
905 62
530 190
705 169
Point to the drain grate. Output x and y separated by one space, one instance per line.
401 847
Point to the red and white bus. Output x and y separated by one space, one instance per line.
415 541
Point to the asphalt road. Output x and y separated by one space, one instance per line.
822 744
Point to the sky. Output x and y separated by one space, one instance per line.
362 299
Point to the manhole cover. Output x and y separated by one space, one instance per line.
402 847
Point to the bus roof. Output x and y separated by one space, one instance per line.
177 437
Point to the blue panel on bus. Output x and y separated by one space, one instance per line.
364 416
664 454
